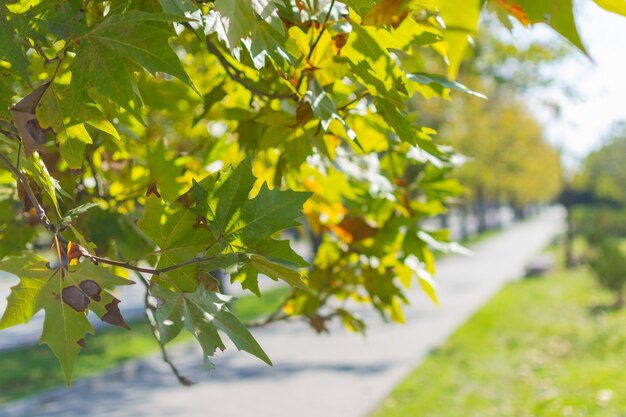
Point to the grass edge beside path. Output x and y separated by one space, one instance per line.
110 347
540 347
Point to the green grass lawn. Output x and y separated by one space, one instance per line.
541 347
33 369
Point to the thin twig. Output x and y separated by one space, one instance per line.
267 320
96 177
277 315
317 40
151 316
41 53
157 271
319 36
235 75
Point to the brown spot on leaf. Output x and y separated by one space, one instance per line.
113 315
186 199
75 298
152 189
91 288
27 205
304 113
339 41
200 223
208 281
81 343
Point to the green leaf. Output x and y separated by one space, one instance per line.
65 295
324 108
238 19
267 41
77 211
71 134
47 183
203 313
64 328
11 46
461 19
215 218
233 215
107 50
178 7
21 303
278 271
428 285
174 230
105 126
91 281
429 79
361 6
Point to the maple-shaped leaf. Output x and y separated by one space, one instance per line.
241 222
107 53
216 223
65 295
202 313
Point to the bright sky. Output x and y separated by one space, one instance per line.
600 84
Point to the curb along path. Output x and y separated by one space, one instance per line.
336 375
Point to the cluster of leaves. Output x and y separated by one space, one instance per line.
126 129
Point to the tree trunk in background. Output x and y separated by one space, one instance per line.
497 208
481 210
518 212
464 225
569 239
445 220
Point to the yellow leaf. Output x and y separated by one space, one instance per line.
461 19
106 127
614 6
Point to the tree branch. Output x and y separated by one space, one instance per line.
127 265
151 316
235 75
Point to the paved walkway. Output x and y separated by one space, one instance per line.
340 375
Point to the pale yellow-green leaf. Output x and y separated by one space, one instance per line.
461 20
614 6
106 127
428 284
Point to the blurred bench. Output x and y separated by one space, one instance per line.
539 266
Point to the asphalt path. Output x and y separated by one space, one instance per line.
339 374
